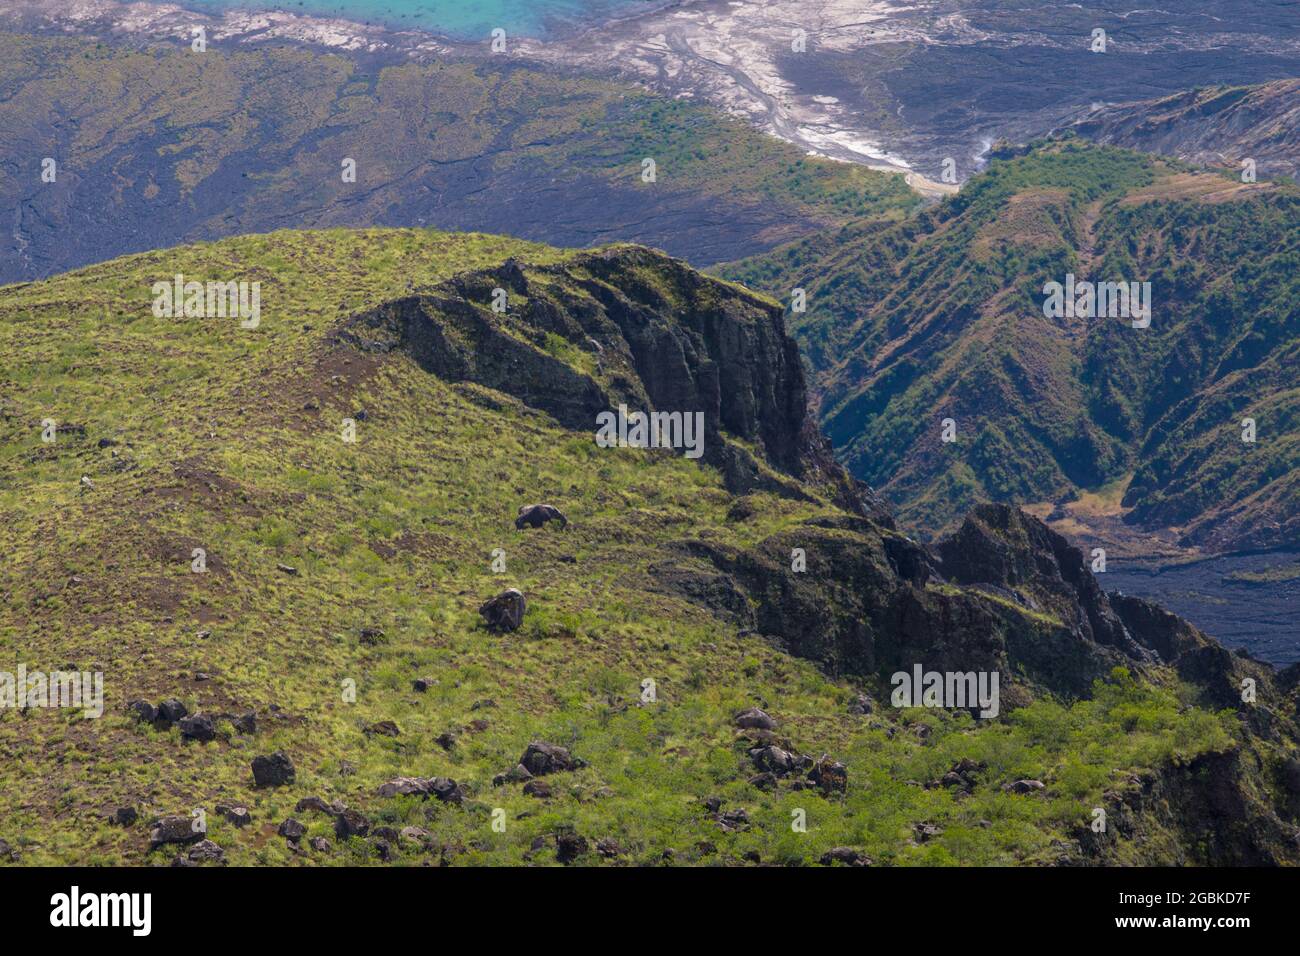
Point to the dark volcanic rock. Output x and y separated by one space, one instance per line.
569 846
292 830
350 823
542 758
534 516
198 727
170 711
205 851
174 829
830 776
123 816
143 711
755 718
505 612
273 770
844 855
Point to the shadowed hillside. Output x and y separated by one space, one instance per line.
1120 434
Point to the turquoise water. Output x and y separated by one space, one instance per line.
463 19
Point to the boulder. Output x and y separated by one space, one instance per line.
830 776
350 823
246 723
236 816
534 516
273 770
733 820
123 816
755 719
205 851
773 759
542 758
174 829
384 728
505 612
569 846
143 711
292 830
845 855
170 711
516 774
538 788
198 727
1024 786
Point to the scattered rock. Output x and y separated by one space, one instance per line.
845 855
205 851
198 727
516 774
443 788
755 719
609 849
315 803
175 829
1024 786
830 776
246 723
350 823
542 758
734 820
775 760
538 788
569 846
926 831
384 728
7 852
292 830
237 816
403 786
445 740
273 770
170 711
534 516
123 816
143 711
372 635
416 835
505 612
862 704
422 684
287 569
764 781
320 844
383 849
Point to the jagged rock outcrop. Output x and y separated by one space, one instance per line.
1005 593
633 327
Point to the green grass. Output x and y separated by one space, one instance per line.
217 448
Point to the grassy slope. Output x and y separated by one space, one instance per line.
215 448
942 317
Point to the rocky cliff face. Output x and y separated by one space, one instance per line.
627 327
